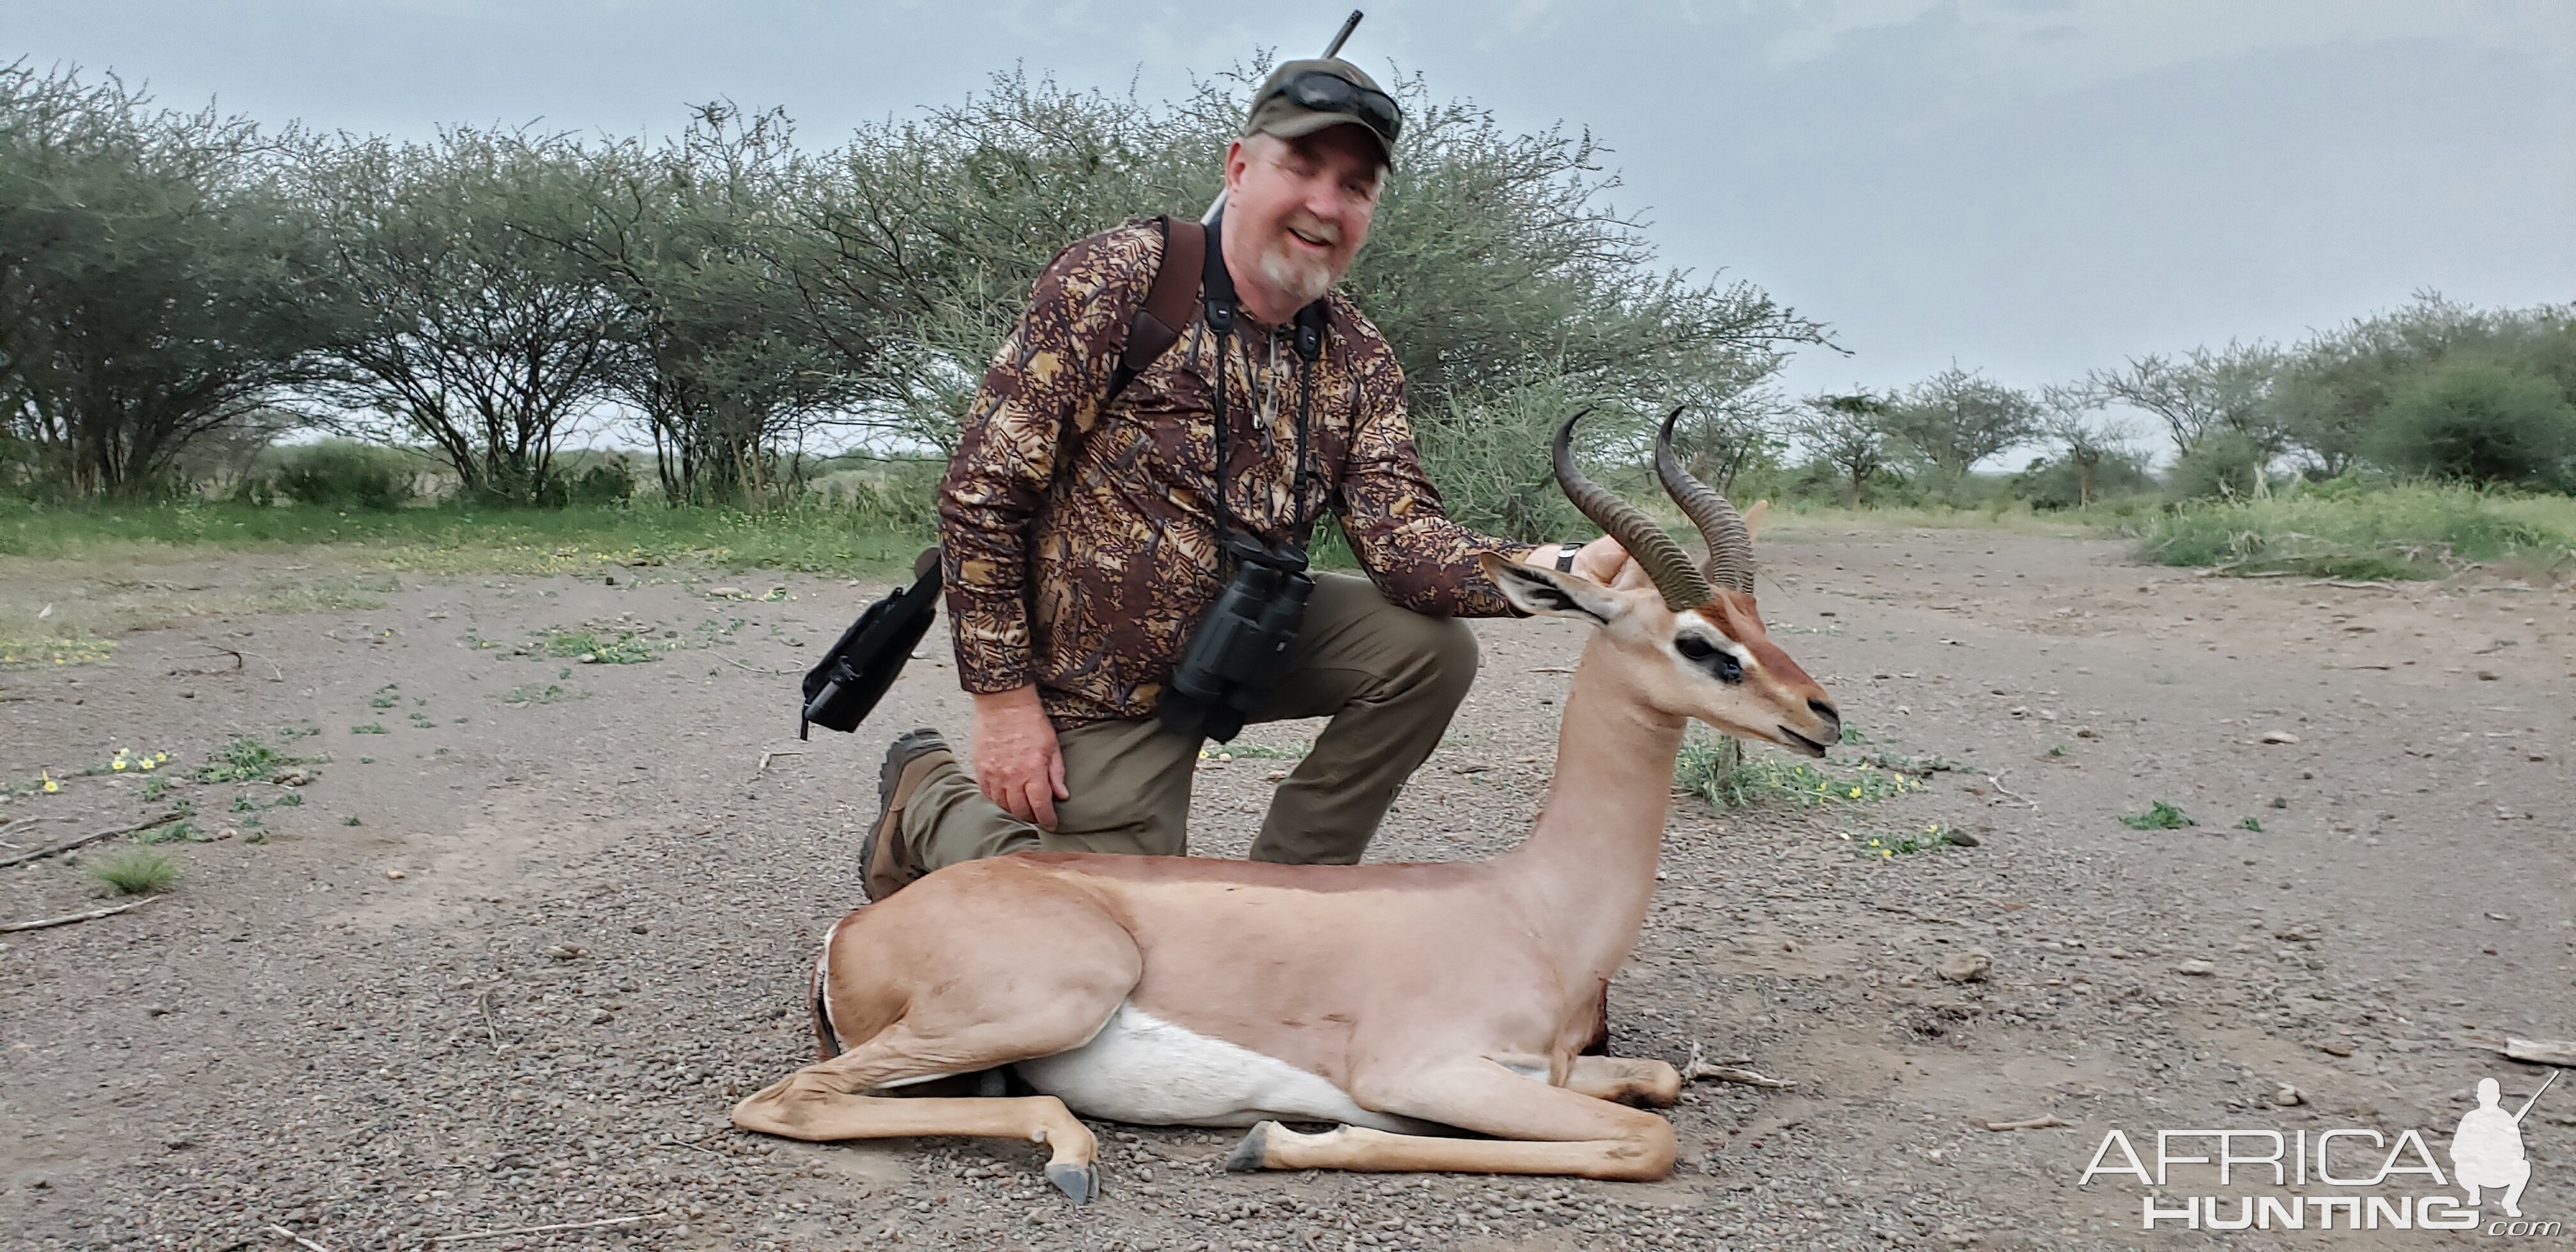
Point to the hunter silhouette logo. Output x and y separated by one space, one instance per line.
2339 1178
2486 1150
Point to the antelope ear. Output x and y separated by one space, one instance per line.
1753 516
1545 592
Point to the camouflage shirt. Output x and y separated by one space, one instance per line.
1080 536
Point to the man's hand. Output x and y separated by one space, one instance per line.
1017 762
1600 560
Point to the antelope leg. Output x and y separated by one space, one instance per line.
1558 1131
1072 1164
1648 1083
828 1100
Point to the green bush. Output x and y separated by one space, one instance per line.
608 482
2479 422
2347 529
343 475
2055 483
2224 465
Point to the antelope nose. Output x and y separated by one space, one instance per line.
1825 712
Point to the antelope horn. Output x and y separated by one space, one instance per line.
1656 552
1730 545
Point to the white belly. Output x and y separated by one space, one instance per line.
1147 1071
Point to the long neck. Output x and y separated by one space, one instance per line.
1588 869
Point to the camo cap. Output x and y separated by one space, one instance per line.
1300 98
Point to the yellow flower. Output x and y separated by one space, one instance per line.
117 764
1855 793
1885 854
50 785
148 763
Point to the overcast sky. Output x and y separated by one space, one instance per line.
2028 186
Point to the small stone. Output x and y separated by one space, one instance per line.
2279 736
2087 732
1961 838
2488 676
565 952
2280 802
588 658
2196 969
724 591
2336 1048
1970 966
395 874
602 1017
2288 1096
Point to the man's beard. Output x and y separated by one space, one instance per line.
1302 279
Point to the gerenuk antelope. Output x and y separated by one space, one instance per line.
1403 1002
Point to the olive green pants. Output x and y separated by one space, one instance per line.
1388 677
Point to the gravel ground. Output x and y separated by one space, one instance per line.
529 924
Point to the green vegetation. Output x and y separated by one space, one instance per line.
446 540
135 872
591 647
172 832
2351 531
2254 824
1888 847
244 759
2159 816
1719 772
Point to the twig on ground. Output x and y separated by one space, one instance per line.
283 1233
2354 586
86 840
276 675
69 918
774 673
2029 1123
764 758
1553 669
1996 781
2541 1051
1695 1069
483 1005
540 1230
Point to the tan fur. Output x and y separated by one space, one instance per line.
1425 991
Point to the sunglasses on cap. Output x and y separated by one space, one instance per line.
1319 92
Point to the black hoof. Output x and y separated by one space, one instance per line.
1249 1154
1079 1183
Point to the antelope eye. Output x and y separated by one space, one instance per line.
1719 662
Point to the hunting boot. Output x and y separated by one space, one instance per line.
909 760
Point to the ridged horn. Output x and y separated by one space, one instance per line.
1654 551
1730 545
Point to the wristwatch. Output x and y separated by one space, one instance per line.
1565 557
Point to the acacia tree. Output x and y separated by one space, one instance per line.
691 240
2202 392
470 326
154 286
1849 433
2072 418
1956 418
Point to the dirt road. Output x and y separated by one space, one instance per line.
507 954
